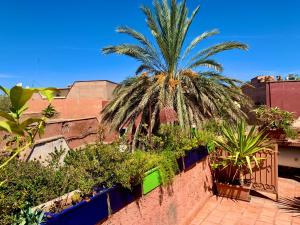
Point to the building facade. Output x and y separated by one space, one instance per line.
284 94
83 99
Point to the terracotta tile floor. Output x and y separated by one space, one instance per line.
260 211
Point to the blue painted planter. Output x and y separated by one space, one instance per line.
120 197
180 164
192 157
84 213
202 152
96 210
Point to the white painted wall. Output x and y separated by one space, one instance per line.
41 151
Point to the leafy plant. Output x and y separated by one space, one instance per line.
204 138
168 138
170 76
138 163
102 166
4 103
276 118
29 216
49 112
22 131
212 125
30 182
241 147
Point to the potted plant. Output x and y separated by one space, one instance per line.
198 147
276 122
238 157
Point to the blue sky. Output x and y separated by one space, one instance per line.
54 42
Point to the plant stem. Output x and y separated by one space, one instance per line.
14 155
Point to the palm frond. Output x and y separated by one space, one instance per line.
194 95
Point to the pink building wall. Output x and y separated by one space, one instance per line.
76 132
282 94
173 205
82 99
285 95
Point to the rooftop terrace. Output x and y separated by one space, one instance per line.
260 211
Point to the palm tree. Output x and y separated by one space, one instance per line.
169 75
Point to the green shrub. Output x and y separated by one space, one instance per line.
4 103
169 138
175 139
29 182
204 138
95 166
105 166
212 125
138 163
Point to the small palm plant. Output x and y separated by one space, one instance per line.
241 147
29 216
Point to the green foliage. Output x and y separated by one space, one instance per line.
212 125
4 103
49 112
139 162
241 147
29 216
30 182
22 131
204 138
169 75
95 166
105 166
90 168
276 118
168 167
174 139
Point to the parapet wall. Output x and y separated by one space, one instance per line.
173 205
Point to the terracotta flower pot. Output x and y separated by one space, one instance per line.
237 192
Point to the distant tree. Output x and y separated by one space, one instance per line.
4 103
293 77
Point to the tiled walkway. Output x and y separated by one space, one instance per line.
259 211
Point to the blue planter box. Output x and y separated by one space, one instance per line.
192 157
202 152
180 164
84 213
119 197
